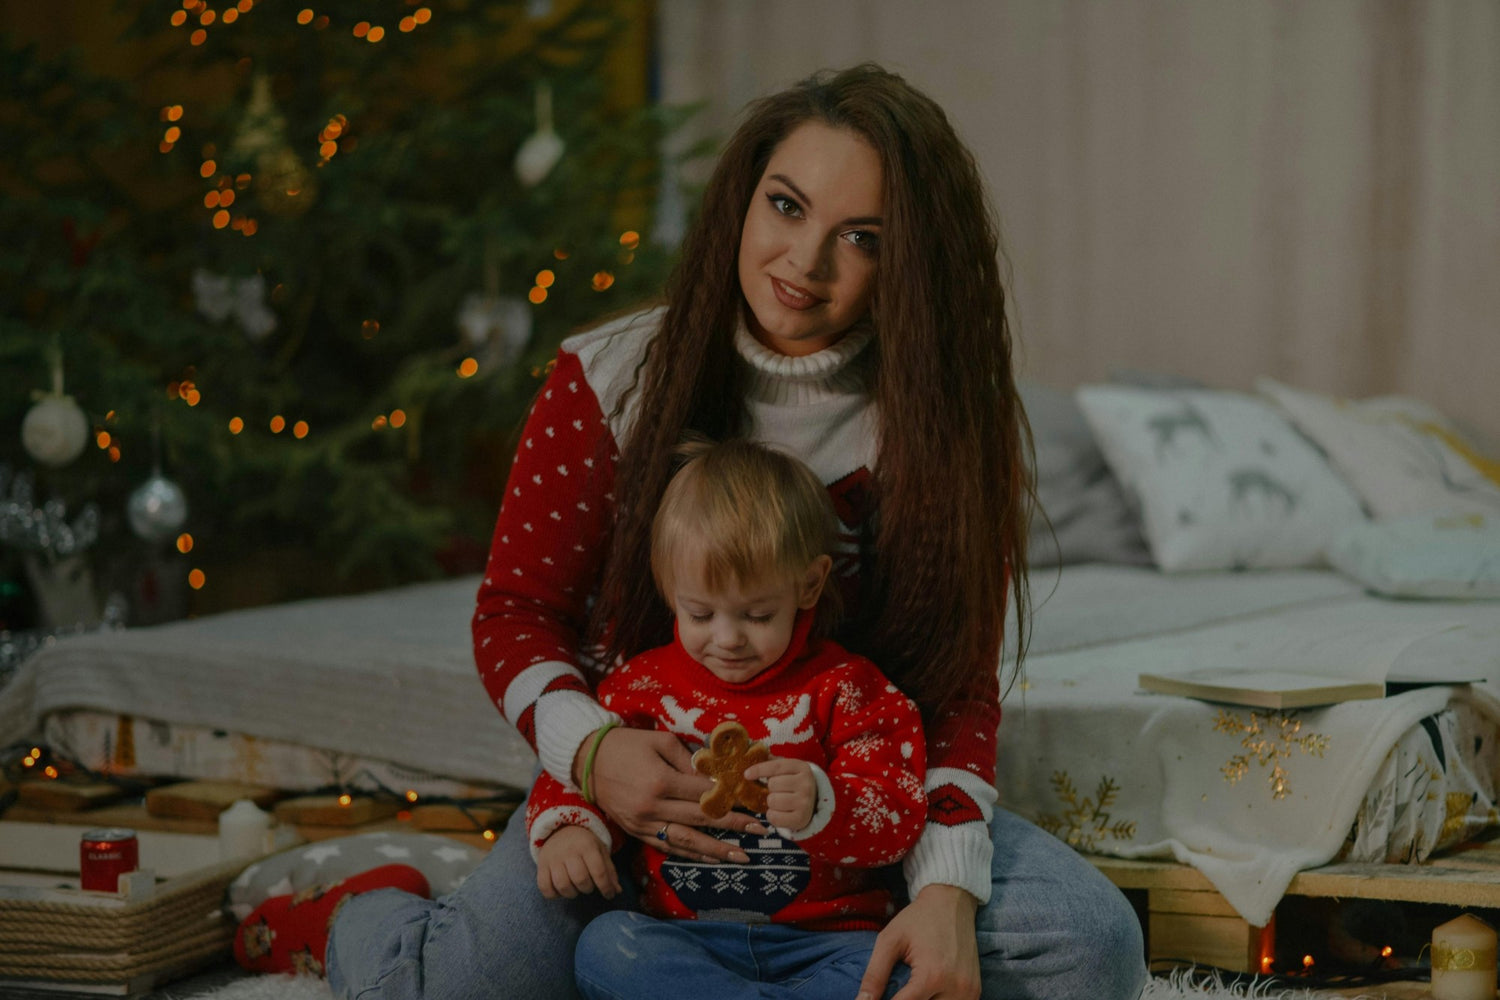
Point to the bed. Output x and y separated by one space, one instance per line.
1185 527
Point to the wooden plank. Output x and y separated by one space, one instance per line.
450 818
334 810
66 796
131 814
204 800
1223 942
1210 904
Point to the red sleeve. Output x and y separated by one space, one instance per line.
875 767
544 564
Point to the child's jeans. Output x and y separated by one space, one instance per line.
629 956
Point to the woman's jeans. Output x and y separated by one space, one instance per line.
1053 929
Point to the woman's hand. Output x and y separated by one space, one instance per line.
934 934
644 781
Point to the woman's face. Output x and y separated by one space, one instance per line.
811 241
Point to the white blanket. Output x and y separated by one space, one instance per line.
1249 797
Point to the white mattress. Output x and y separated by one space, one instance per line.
387 676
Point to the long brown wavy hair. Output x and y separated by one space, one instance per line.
952 486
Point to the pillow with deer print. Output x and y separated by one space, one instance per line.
1222 480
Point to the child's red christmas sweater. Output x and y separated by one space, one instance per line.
817 703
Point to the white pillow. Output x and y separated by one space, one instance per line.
1400 455
1223 480
1454 556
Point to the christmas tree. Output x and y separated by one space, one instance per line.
280 281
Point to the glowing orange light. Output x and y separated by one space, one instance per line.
109 417
50 771
208 168
423 15
345 799
537 295
192 397
250 227
411 795
1265 963
189 4
211 200
28 762
369 328
278 424
236 425
174 113
467 367
398 418
231 15
165 147
361 29
376 34
407 23
489 835
245 5
305 15
328 149
1387 951
221 219
378 423
179 18
114 453
172 134
545 278
299 430
227 198
1307 961
560 253
196 579
241 181
198 37
321 22
207 18
184 543
630 239
602 280
102 440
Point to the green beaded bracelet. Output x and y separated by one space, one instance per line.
588 762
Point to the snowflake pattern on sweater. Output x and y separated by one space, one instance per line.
548 548
817 703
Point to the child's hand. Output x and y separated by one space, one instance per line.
573 861
793 791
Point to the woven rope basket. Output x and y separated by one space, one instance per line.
181 926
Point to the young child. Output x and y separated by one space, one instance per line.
740 552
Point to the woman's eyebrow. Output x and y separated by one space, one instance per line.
861 220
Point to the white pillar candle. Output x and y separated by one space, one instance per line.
1463 960
244 831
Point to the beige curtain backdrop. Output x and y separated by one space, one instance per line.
1221 189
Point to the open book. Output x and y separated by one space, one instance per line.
1325 669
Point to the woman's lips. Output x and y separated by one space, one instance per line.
793 297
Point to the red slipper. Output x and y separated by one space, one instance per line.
290 933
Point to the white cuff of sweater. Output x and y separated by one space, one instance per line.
564 719
557 817
957 856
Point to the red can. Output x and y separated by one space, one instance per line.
106 854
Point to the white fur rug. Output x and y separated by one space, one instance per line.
1174 987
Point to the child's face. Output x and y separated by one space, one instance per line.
739 629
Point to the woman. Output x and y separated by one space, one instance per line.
839 295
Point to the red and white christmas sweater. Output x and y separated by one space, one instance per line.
546 560
818 703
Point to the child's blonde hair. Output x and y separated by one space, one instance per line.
744 512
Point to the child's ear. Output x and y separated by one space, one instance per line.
813 581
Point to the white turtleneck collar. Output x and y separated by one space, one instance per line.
831 372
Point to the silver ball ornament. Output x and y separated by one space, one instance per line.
156 508
54 431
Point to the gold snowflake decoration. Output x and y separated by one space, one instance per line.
1085 822
1268 738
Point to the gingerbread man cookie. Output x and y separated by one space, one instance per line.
724 759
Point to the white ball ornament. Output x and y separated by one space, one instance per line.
156 508
54 431
542 149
